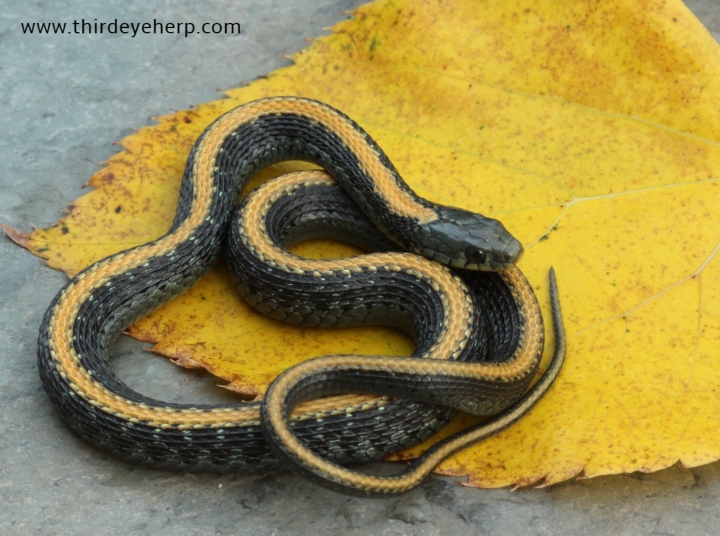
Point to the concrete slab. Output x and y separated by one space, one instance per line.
65 99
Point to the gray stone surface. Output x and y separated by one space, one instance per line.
65 99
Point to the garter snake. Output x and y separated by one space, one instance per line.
90 312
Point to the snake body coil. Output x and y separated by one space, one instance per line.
442 313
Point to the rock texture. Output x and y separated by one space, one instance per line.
65 99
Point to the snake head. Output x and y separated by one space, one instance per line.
463 239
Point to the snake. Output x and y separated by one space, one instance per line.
417 290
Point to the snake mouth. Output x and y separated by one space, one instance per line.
487 267
461 263
493 262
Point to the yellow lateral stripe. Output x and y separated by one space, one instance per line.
456 303
398 199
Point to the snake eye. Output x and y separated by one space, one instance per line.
475 255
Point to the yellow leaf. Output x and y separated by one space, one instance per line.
591 129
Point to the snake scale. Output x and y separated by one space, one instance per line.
478 328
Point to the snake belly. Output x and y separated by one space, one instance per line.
90 312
